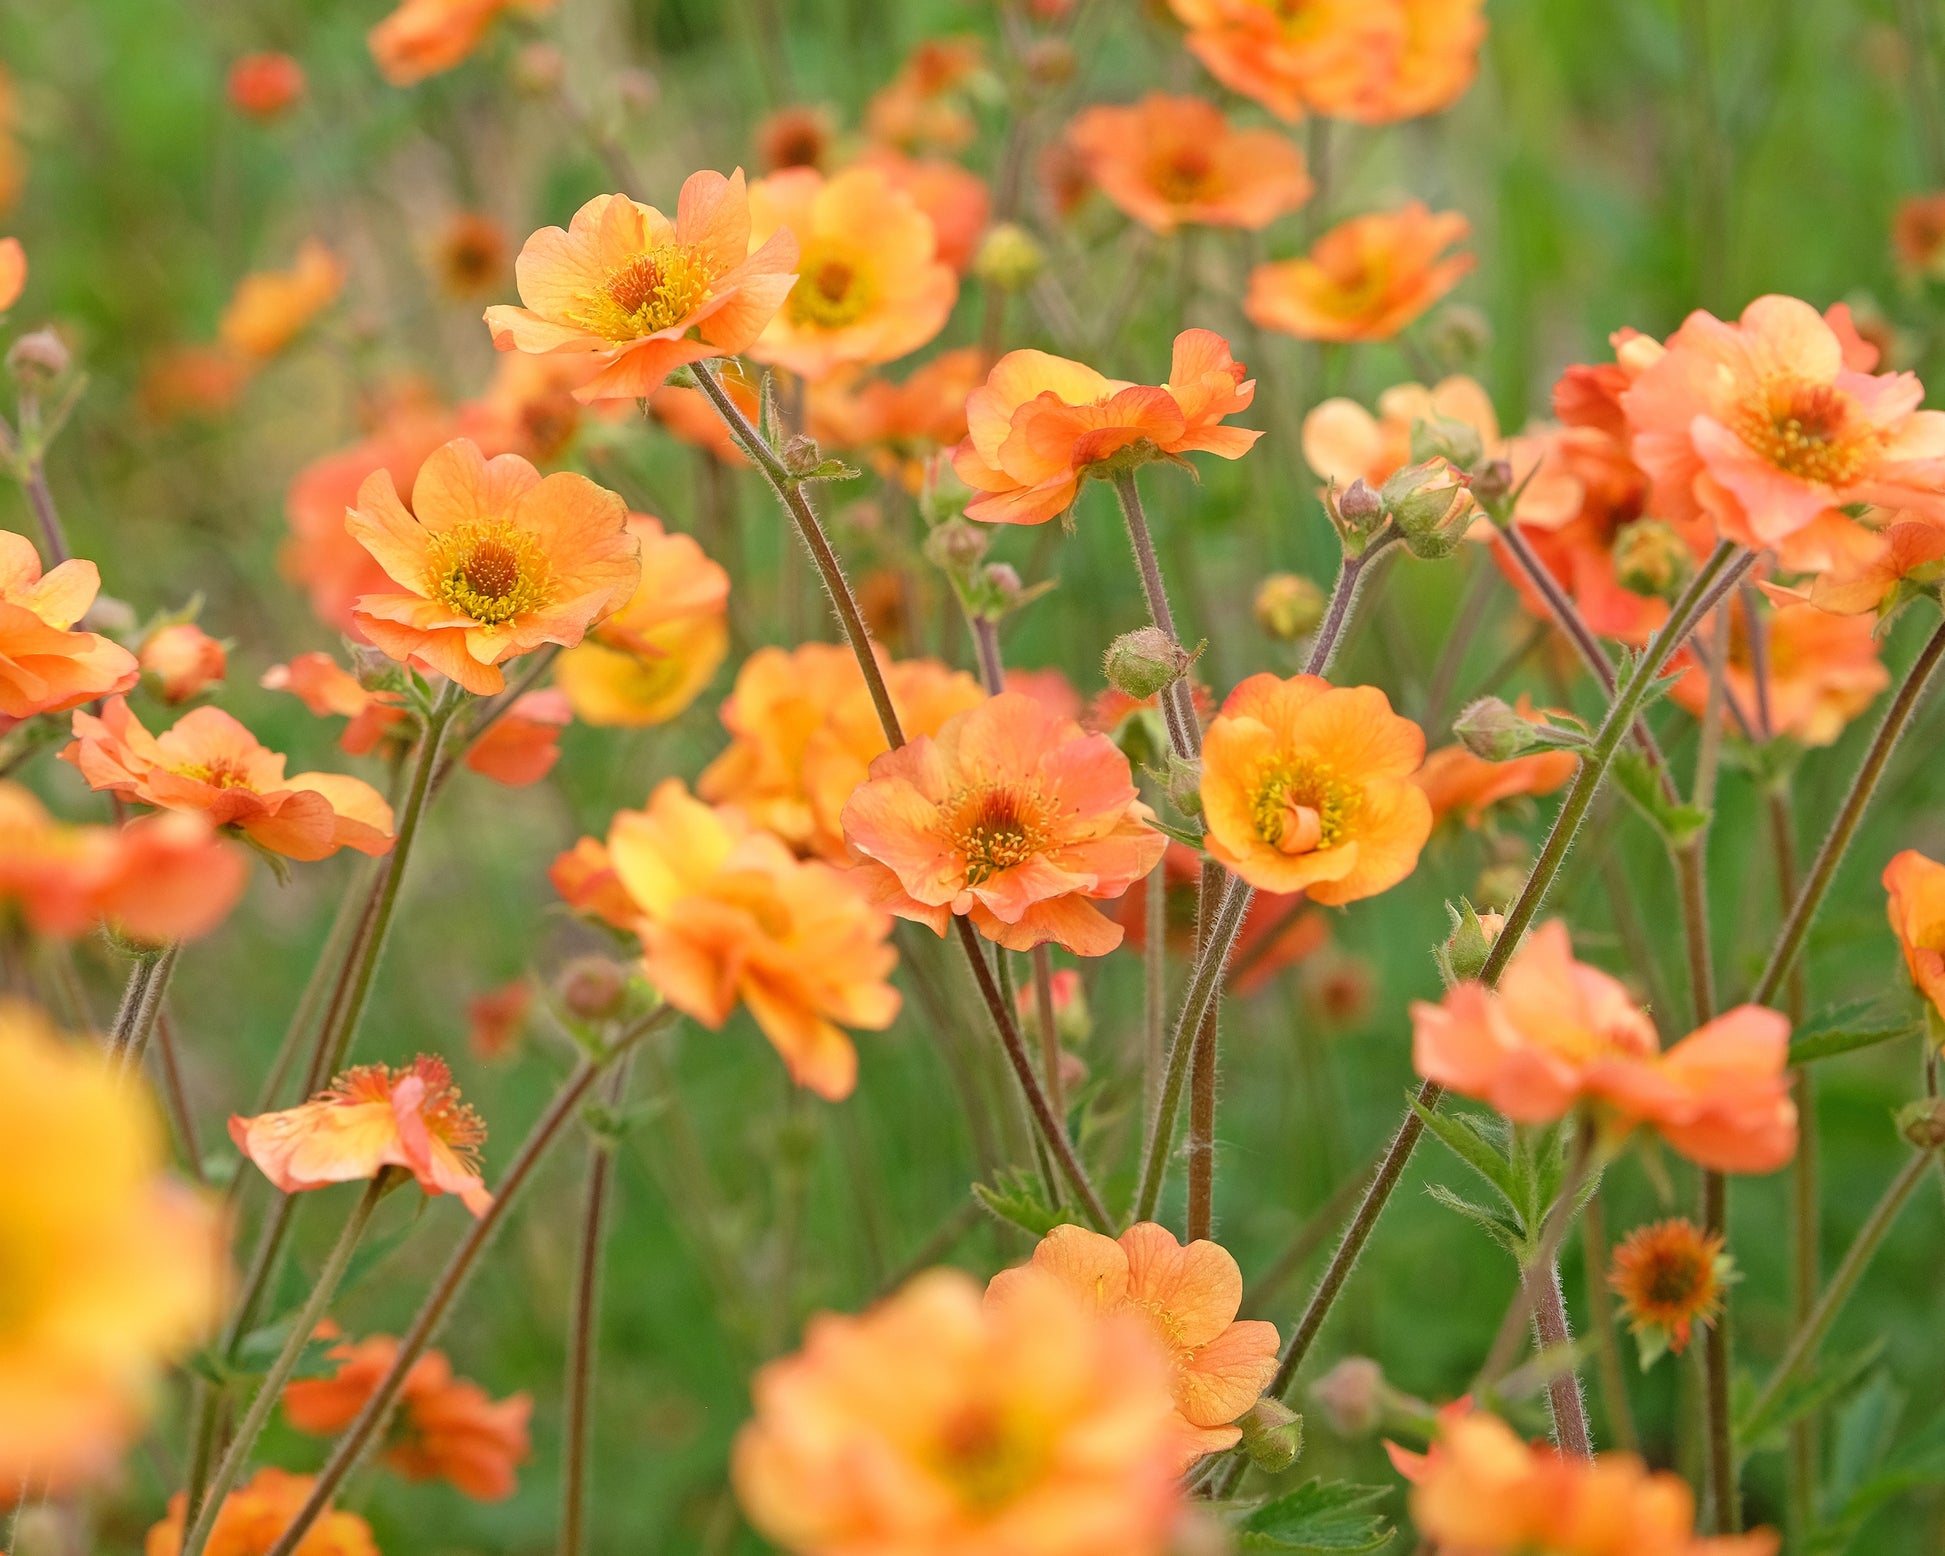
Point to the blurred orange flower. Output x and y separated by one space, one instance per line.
471 255
688 415
1029 1428
1822 671
184 660
1918 235
45 667
1459 783
900 426
795 135
1307 787
1880 574
1279 930
270 308
1915 905
370 1118
1041 424
495 1019
328 691
629 286
585 878
923 107
1670 1278
13 272
265 85
524 743
1176 161
955 199
429 37
1011 815
1188 1296
1365 279
254 1517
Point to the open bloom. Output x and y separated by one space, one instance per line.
329 690
1882 571
270 308
923 106
429 37
1011 815
1669 1277
934 1423
1188 1296
1459 783
113 1270
524 743
45 666
1557 1032
953 197
1307 787
370 1118
1176 161
1822 671
254 1517
1915 904
644 295
1365 279
491 561
1040 424
870 287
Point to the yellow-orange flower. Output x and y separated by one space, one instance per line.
492 560
650 659
1040 424
1307 787
45 666
1669 1277
954 197
184 660
1879 574
254 1517
923 107
370 1118
934 1423
13 272
270 308
1176 161
112 1269
1188 1296
899 426
1915 905
329 691
643 295
524 743
429 37
1365 279
1823 671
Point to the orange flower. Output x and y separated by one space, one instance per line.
1669 1277
429 37
1307 787
795 135
1175 161
1557 1031
1188 1296
1888 567
1365 279
270 308
524 743
1286 57
1761 425
1012 815
492 561
728 916
1915 904
1040 424
629 286
586 879
1027 1428
370 1118
113 1270
495 1020
650 659
923 106
13 272
1457 782
954 198
1823 671
265 85
44 666
254 1517
328 691
471 255
192 381
185 661
900 426
1918 235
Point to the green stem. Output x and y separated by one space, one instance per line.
1600 1308
148 981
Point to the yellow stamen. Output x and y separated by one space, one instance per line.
832 289
651 291
1301 805
489 571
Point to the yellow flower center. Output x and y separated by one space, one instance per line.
1183 174
996 828
986 1460
1302 804
489 571
1808 431
654 290
221 774
831 291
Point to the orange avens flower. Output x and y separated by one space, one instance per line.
492 560
585 877
265 85
329 691
524 743
210 763
1557 1032
13 272
1176 161
1040 424
113 1270
471 254
429 37
45 667
1918 234
645 295
1885 569
496 1019
795 135
899 426
1459 783
1483 1492
954 198
727 915
923 107
650 659
370 1118
1365 279
1011 815
1027 1428
1189 1296
1763 424
1823 671
1307 787
870 287
270 308
184 660
254 1517
1669 1277
1915 906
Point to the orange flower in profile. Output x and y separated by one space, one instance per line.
953 197
370 1118
1011 815
1887 569
650 659
728 916
265 85
644 295
1040 424
899 426
1307 787
492 560
1557 1032
1032 1427
1670 1277
1763 424
184 660
429 37
253 1519
1459 783
524 743
1365 279
316 680
1915 904
1176 161
470 257
270 308
923 107
1918 235
496 1019
13 272
45 667
1483 1492
1823 671
1188 1296
113 1270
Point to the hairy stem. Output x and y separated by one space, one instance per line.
1550 1329
141 1006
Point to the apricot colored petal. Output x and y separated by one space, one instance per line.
1198 1286
520 329
64 593
300 825
364 820
1093 1267
1228 1374
1354 730
712 215
753 293
1071 921
318 1143
459 485
818 1054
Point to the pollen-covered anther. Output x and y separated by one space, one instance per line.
1301 806
650 291
489 572
1809 431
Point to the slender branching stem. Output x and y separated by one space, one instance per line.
141 1006
1600 1310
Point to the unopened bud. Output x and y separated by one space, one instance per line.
1185 784
591 987
1143 662
375 669
1010 258
1359 507
955 547
1463 956
1499 884
183 661
1073 1072
1351 1396
1272 1435
1492 486
1289 606
1421 500
1448 438
538 70
1492 730
1049 62
801 455
1003 579
1458 335
38 358
1923 1123
638 89
1651 558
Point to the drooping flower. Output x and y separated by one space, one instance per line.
184 660
1011 815
329 691
935 1423
1188 1295
1365 279
45 666
1669 1277
491 561
253 1519
1177 161
265 85
271 308
1821 671
1557 1032
113 1270
1041 424
370 1118
524 743
644 295
1307 787
425 38
1915 904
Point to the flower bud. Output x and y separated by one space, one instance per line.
538 70
1446 437
1493 731
375 669
38 358
1463 956
591 987
1049 62
1272 1435
801 455
1289 606
1003 579
1500 883
1185 784
1422 500
183 659
1073 1072
1143 662
1923 1123
1492 487
955 547
1010 258
1651 558
1351 1396
1359 508
1458 335
1071 1019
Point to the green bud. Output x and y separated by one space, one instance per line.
801 455
1923 1123
1425 500
1351 1396
1289 606
1445 437
1185 784
1651 558
1272 1435
1458 335
592 987
1143 662
1463 956
38 359
1010 258
956 547
1491 730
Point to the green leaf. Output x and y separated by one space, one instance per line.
1180 834
1812 1391
1464 1135
1017 1199
1502 1229
1679 823
1320 1515
1828 1042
